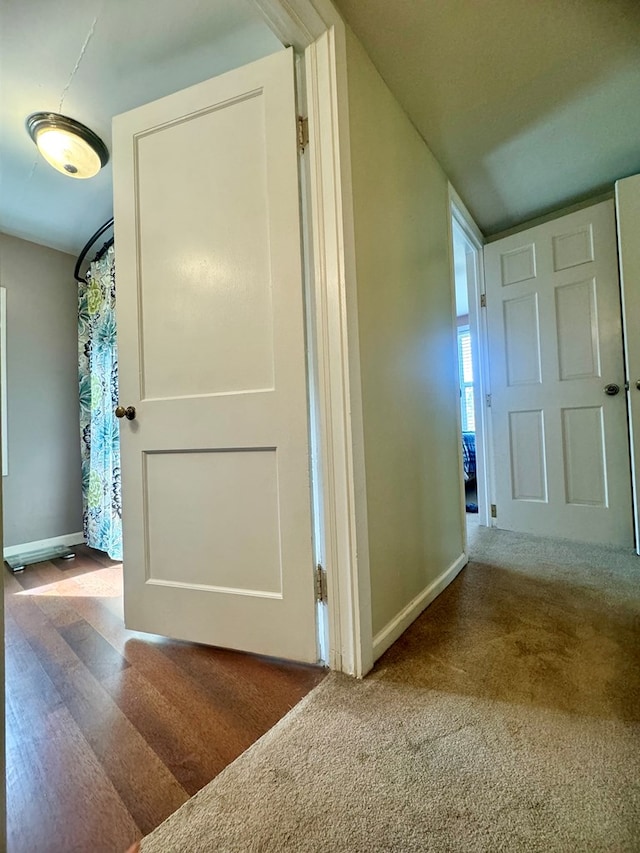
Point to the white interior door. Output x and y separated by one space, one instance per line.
216 495
561 448
628 216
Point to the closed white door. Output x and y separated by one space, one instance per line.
560 441
628 217
215 464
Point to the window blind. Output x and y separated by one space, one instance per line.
465 365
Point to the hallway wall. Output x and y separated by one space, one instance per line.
407 353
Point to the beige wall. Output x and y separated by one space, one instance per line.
628 219
42 492
406 332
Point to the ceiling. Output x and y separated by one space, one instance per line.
528 105
93 59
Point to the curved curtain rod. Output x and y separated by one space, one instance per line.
87 246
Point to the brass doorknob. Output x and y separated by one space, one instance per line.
129 413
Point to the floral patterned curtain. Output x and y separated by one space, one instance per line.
100 437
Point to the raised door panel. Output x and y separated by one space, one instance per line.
528 456
522 340
577 330
205 286
585 469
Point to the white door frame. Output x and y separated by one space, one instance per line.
315 29
479 354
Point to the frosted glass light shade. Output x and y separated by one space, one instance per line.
67 145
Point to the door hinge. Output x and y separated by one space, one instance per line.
483 300
488 400
494 511
321 584
303 133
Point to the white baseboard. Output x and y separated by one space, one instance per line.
399 624
67 540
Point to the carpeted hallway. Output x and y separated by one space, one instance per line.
506 718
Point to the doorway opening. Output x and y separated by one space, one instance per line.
467 263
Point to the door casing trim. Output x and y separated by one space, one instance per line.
480 349
316 30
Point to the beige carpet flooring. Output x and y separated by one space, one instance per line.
505 719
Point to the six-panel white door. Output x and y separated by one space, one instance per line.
215 465
561 450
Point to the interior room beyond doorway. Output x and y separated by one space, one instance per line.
463 255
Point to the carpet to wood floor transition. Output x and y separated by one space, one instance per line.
505 719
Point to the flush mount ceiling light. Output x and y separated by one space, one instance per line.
67 145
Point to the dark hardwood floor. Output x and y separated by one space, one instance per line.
109 731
